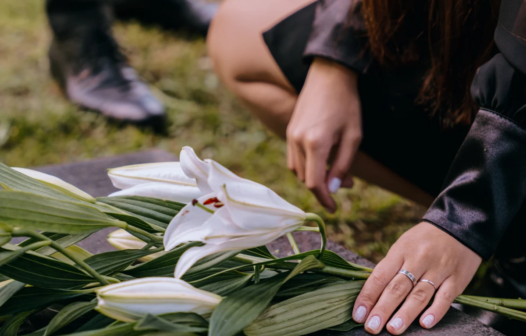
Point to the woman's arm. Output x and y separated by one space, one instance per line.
327 117
485 187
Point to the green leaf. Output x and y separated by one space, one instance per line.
33 298
34 212
116 261
137 222
123 329
211 261
69 314
97 322
346 326
10 256
227 286
305 283
238 310
45 272
323 308
12 180
151 210
191 319
10 289
10 328
160 266
261 252
150 322
39 332
329 258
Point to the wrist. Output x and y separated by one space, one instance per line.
323 69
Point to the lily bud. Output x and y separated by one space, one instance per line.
238 214
160 180
131 300
122 240
307 313
58 184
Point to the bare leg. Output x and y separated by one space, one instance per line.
244 64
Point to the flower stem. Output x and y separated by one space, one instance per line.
283 265
308 229
33 234
512 313
153 238
509 303
293 243
321 225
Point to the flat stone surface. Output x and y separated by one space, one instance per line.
91 176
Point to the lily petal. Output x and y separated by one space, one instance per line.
195 168
187 225
252 205
172 192
193 255
164 172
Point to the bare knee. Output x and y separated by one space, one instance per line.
236 45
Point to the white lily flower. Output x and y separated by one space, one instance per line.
164 180
131 300
56 183
238 214
122 240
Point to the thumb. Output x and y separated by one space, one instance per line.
342 163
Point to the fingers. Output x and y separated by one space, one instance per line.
315 171
375 285
447 292
290 157
349 144
393 295
299 162
414 304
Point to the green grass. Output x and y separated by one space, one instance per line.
38 126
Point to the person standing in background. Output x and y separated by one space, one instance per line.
88 64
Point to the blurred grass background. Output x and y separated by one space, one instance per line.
38 126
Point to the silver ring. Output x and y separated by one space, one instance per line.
409 275
429 282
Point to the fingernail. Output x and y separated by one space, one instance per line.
359 314
396 323
334 184
374 323
428 321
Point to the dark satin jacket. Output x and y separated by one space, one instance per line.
486 184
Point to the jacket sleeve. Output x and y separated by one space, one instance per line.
486 184
338 33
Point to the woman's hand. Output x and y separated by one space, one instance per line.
428 253
327 116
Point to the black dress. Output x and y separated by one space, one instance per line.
477 172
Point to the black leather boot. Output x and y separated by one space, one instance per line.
193 16
90 68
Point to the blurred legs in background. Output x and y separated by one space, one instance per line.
87 63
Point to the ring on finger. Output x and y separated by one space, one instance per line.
429 282
409 275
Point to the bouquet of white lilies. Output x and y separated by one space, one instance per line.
191 260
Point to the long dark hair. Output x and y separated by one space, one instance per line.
455 35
